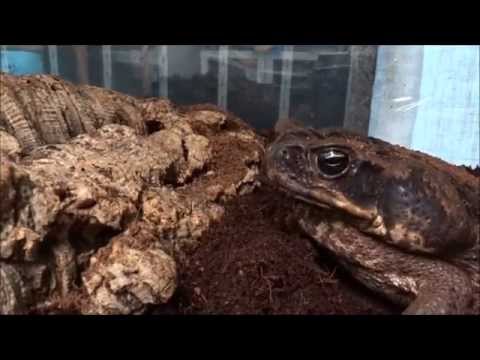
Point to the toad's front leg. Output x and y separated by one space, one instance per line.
443 290
420 284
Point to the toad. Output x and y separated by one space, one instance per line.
401 222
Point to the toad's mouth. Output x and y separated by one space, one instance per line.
302 198
320 197
325 200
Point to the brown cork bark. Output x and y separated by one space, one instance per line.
102 194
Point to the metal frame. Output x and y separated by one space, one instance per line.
360 88
363 61
163 70
222 76
4 58
53 59
265 68
207 55
360 83
107 65
287 65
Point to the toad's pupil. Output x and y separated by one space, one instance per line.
332 163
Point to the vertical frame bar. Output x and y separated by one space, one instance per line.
287 65
265 68
107 66
53 59
4 59
163 70
81 56
261 69
142 58
203 62
222 76
363 60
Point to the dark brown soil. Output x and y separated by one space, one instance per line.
252 263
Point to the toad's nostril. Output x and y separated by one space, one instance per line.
281 154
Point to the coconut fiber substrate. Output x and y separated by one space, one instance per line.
252 263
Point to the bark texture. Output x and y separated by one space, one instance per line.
103 193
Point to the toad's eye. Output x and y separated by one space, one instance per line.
332 163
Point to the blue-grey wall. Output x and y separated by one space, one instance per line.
427 98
